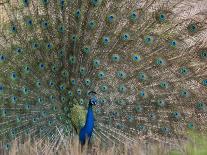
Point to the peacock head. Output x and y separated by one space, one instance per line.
93 99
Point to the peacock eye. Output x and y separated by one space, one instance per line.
13 99
45 24
122 88
138 108
160 62
86 50
61 29
2 58
25 90
203 54
49 45
34 45
18 50
26 3
96 3
74 38
78 14
142 93
111 18
27 106
70 93
105 40
7 146
87 82
13 29
141 127
115 58
62 87
101 75
26 69
192 28
184 70
152 116
92 24
42 66
54 108
136 57
62 98
184 93
82 71
62 2
130 118
173 43
164 85
148 40
79 91
104 88
18 119
72 60
165 130
176 115
190 125
73 81
65 73
1 88
204 82
161 103
29 22
125 37
52 98
45 2
133 16
13 76
96 63
161 17
121 74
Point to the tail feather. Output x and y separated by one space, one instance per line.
145 59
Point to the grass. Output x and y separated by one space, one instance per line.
196 145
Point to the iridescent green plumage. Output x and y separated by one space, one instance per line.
78 117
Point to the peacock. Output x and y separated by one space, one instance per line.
145 59
87 130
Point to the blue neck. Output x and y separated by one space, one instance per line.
89 119
87 130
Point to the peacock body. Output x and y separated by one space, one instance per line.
87 130
146 59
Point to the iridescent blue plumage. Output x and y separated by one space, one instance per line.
87 130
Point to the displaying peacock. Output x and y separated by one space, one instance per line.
145 59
